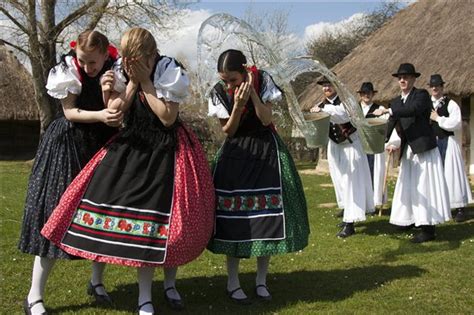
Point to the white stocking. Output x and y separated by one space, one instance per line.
262 270
233 277
98 276
42 267
170 282
145 281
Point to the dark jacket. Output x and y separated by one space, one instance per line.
412 120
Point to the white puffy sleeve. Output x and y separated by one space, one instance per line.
454 121
384 116
64 79
269 90
216 108
170 80
337 112
120 79
394 140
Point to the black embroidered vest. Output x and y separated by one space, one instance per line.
442 111
372 109
338 132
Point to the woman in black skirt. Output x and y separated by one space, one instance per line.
81 129
261 207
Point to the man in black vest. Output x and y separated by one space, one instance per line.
446 119
348 164
421 194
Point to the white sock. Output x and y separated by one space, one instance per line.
170 281
145 281
262 270
233 277
98 277
42 267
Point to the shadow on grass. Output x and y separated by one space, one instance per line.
448 237
207 295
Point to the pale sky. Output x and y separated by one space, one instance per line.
305 19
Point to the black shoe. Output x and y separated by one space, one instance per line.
27 306
263 297
244 301
427 234
340 214
405 227
460 216
175 304
346 231
99 298
341 224
143 304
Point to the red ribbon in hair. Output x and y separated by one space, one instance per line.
111 49
254 71
113 52
256 85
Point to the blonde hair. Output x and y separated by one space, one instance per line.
91 40
138 42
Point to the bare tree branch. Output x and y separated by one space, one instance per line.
71 18
14 20
19 6
2 41
99 13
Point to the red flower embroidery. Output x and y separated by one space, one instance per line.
275 200
262 202
86 217
128 228
237 203
107 223
122 224
227 203
250 202
163 231
146 227
90 221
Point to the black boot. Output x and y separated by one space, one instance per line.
427 234
346 231
405 227
460 216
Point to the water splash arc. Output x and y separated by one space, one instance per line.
223 31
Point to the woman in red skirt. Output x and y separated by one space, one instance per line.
146 199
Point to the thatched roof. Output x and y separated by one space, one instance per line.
434 35
17 100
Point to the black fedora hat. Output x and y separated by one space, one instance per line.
436 80
324 80
367 87
406 68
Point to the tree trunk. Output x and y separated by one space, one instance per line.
45 106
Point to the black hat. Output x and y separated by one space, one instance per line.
367 87
436 80
324 80
406 68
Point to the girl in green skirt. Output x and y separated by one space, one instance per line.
261 207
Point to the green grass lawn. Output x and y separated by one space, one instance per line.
376 271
